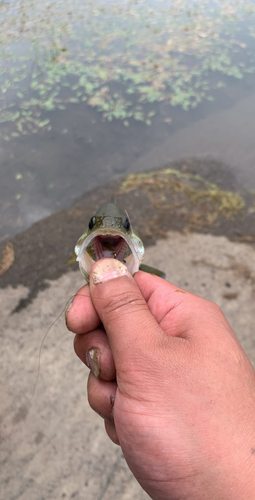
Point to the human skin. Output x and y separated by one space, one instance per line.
171 381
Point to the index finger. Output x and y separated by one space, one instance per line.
81 316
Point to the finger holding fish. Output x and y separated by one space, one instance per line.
81 316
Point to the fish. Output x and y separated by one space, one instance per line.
110 234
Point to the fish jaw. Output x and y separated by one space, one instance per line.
109 243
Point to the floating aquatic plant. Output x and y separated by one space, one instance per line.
121 57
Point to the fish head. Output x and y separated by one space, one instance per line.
109 234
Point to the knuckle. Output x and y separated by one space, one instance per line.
209 305
215 309
124 302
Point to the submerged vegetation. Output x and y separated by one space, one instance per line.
189 194
120 57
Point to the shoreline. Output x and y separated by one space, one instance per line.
38 254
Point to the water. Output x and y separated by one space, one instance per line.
92 91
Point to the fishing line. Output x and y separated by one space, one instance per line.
68 303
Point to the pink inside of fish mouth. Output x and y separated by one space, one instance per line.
109 246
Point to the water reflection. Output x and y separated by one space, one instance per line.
89 87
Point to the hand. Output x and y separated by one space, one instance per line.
172 382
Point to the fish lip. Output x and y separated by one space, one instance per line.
106 232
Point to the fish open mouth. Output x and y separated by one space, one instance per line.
107 245
110 246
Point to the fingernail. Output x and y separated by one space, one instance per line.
108 269
92 361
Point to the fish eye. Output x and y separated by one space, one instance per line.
126 223
92 222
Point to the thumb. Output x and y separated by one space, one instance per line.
131 328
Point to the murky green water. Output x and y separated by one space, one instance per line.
87 88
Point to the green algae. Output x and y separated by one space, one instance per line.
203 200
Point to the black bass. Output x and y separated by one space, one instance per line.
110 234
